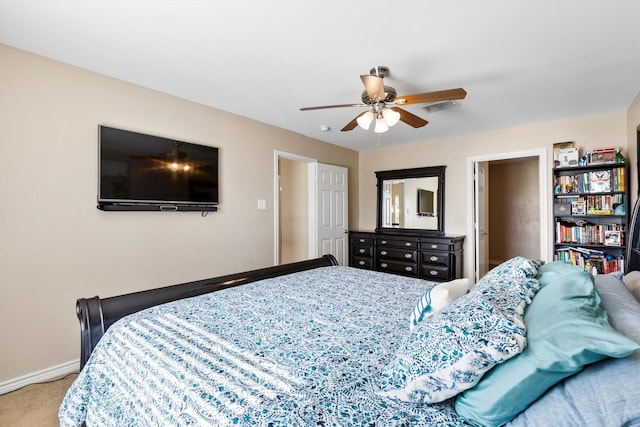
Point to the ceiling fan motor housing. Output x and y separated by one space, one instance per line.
389 92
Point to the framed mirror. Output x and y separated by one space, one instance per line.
411 200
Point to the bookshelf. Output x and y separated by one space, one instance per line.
591 216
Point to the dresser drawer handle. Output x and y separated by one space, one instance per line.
383 252
408 255
434 258
362 251
434 246
409 268
384 265
407 243
361 262
361 240
433 273
384 242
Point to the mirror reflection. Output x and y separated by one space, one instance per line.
411 200
410 203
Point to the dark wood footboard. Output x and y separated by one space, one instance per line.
96 314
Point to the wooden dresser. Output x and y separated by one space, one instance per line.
437 258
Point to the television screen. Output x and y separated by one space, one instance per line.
425 202
135 168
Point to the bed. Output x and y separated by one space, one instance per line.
317 344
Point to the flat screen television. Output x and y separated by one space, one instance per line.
144 172
425 202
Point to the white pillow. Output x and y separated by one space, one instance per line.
437 298
632 281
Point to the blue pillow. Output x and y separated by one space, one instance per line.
603 393
450 351
567 328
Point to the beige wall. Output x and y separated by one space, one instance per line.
514 209
587 132
294 216
56 246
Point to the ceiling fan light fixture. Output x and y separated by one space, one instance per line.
364 121
381 126
391 117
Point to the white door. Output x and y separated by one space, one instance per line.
482 219
332 212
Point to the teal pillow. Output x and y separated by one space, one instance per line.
552 270
567 328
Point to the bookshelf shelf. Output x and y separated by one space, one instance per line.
591 216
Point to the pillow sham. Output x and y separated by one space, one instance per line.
451 351
567 328
516 266
436 298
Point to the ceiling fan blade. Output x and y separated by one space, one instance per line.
410 118
352 124
323 107
374 86
438 96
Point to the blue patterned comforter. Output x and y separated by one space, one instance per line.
305 349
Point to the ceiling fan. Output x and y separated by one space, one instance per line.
383 103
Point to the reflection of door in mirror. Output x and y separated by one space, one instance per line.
386 202
393 202
397 193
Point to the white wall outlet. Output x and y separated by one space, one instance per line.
262 204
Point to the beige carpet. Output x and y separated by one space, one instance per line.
34 405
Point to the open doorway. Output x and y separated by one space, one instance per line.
507 196
295 208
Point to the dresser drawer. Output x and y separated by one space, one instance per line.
360 240
429 258
397 267
396 242
360 262
435 246
362 251
436 272
398 254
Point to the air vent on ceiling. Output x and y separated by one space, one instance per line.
439 106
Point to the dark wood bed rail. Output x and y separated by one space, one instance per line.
96 314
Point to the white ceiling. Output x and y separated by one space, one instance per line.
521 61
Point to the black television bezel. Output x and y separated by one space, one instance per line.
418 204
107 204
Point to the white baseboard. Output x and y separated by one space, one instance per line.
48 374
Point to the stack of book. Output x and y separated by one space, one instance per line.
599 181
591 260
586 233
